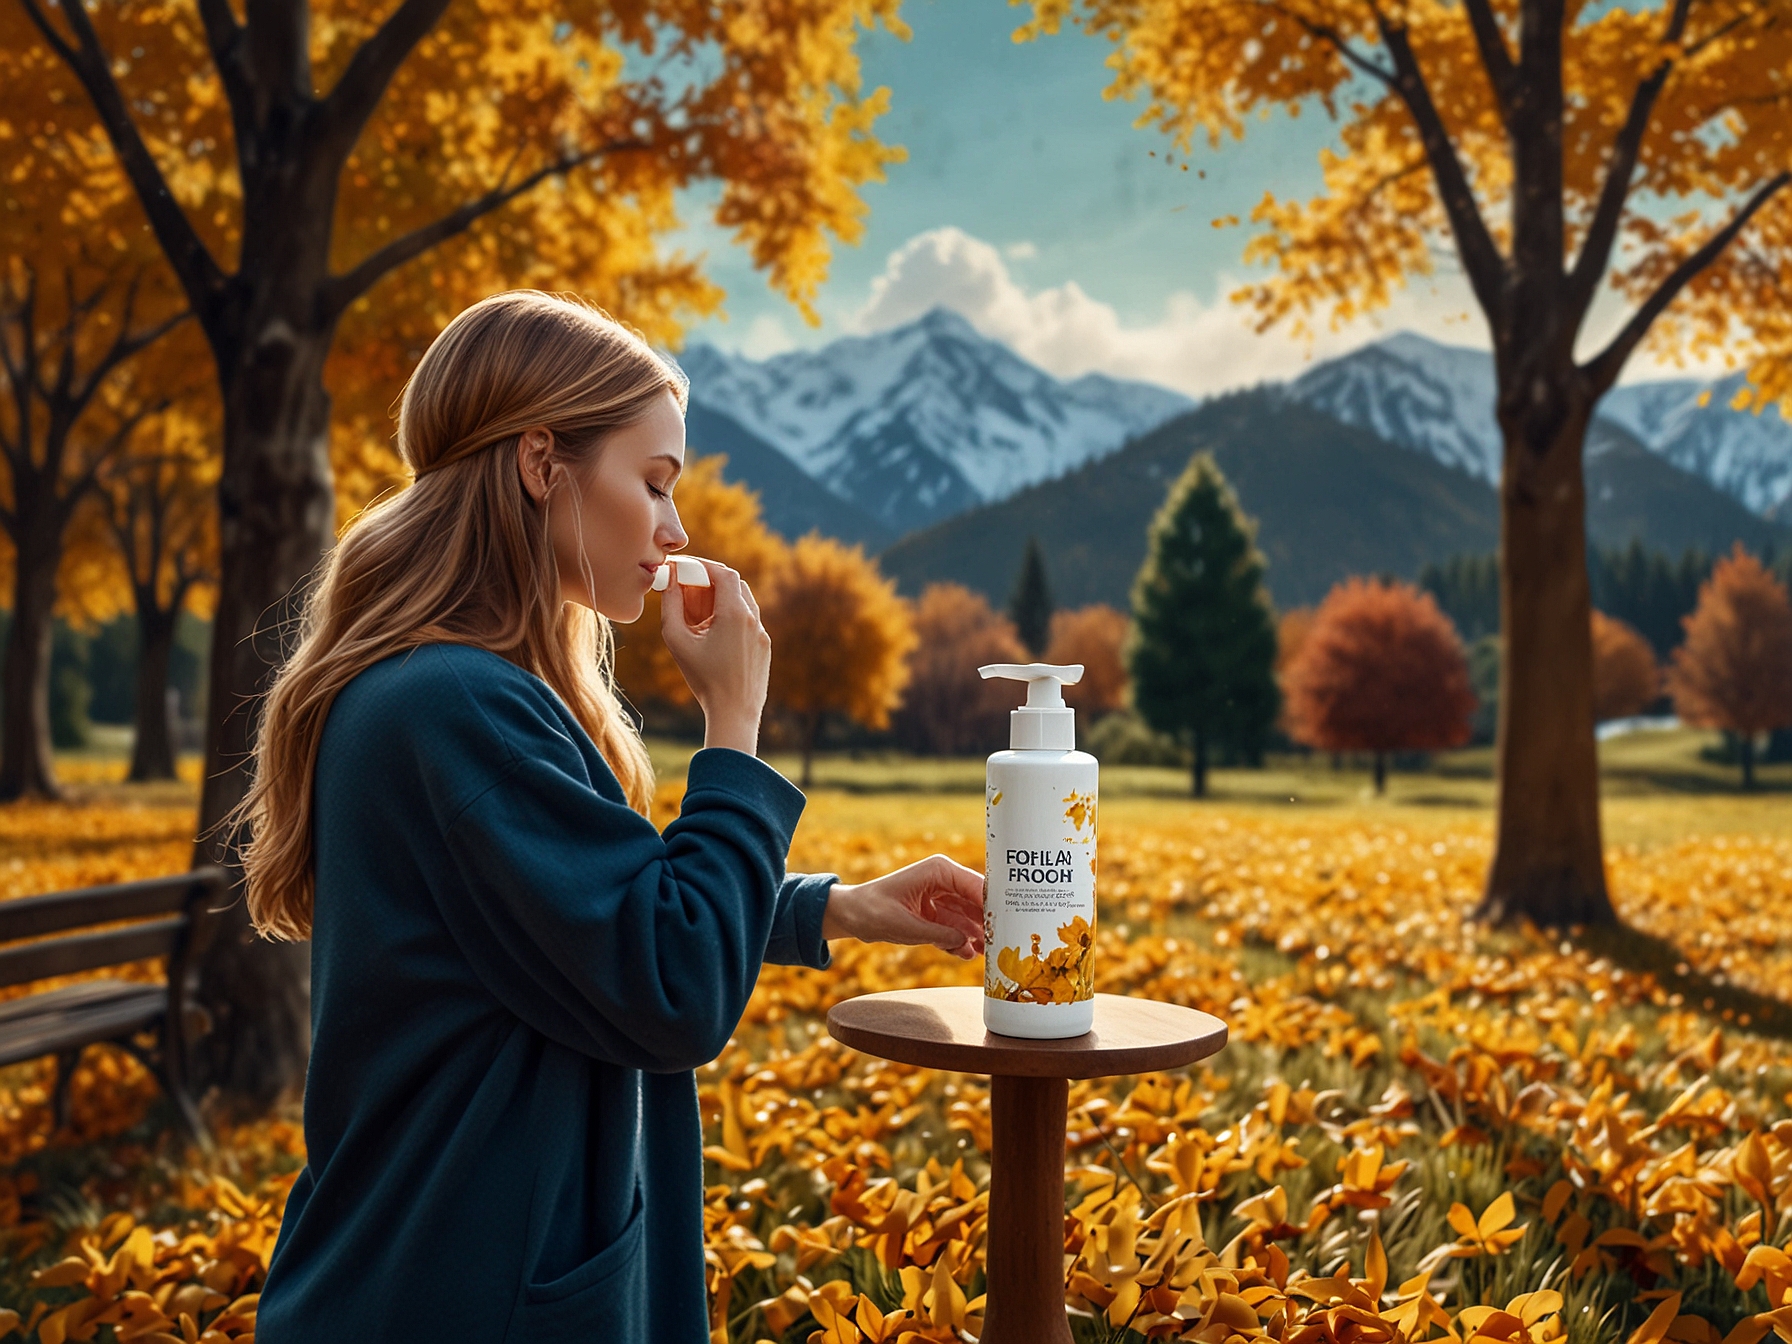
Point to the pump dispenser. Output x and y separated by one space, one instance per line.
1039 906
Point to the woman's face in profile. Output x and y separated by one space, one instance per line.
625 524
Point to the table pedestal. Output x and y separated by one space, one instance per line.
1029 1100
1025 1263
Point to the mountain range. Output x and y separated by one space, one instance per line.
1438 399
921 422
942 451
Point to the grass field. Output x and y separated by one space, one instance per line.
1536 1138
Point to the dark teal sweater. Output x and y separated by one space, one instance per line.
512 977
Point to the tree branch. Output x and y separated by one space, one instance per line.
1481 259
197 270
1602 233
1502 73
352 101
224 35
1326 33
1605 367
342 290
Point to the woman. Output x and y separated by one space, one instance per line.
513 974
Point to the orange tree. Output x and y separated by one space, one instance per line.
1734 671
83 296
1093 636
840 639
156 505
289 160
1564 150
947 709
1381 669
1625 677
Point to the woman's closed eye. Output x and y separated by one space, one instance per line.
663 494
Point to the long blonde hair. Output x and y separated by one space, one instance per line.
461 556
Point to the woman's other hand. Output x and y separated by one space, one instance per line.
933 901
726 659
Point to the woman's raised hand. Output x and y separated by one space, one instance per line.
932 901
726 659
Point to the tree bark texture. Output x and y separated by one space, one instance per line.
1548 864
27 768
276 519
152 746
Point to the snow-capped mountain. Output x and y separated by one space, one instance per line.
1417 393
924 421
1438 399
1744 454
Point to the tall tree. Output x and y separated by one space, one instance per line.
1202 650
1381 670
158 504
840 639
83 293
947 709
1030 608
357 142
1735 669
1565 151
1625 676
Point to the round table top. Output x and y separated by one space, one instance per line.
942 1028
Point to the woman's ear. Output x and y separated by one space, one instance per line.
534 459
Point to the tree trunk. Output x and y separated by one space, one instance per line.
811 730
276 518
152 751
27 767
1748 760
1548 864
1200 765
1381 773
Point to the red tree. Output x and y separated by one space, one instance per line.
1091 636
1625 677
948 710
1380 670
1735 669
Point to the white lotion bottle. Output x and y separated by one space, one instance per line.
1039 904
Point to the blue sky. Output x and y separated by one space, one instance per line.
1034 207
1014 152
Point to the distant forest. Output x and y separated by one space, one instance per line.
1644 588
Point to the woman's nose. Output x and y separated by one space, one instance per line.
671 536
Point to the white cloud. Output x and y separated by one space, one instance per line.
766 336
1021 251
1196 347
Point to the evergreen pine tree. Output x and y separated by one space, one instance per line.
1203 646
1031 606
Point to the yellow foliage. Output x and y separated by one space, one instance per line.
1486 1107
840 635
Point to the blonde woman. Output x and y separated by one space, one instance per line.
513 973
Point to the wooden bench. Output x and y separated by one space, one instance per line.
56 935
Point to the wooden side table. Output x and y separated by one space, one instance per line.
942 1028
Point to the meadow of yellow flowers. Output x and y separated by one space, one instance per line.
1421 1129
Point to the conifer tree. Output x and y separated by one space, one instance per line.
1031 606
1202 651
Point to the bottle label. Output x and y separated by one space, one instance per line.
1039 917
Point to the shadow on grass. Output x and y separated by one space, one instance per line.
1637 951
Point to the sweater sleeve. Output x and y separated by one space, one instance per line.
603 934
796 926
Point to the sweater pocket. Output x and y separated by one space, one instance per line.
605 1298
